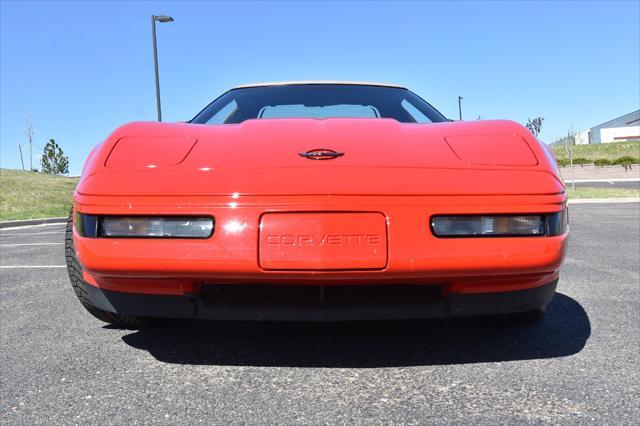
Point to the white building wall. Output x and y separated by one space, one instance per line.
619 134
582 138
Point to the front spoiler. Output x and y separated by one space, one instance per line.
212 308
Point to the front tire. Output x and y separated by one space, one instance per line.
79 287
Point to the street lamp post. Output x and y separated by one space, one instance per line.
460 107
160 18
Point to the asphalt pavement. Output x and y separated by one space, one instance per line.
579 365
635 184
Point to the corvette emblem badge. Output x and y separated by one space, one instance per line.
321 154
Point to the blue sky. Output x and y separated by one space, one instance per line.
80 69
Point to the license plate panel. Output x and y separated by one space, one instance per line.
323 241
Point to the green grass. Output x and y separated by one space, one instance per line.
602 192
29 195
610 151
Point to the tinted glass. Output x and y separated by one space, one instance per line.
318 101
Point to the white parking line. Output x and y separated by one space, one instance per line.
31 244
31 266
42 225
2 234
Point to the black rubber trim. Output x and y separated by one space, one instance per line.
502 302
198 307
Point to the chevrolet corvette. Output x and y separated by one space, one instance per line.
317 201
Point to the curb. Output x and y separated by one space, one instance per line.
604 200
597 180
28 222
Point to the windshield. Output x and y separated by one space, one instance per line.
318 101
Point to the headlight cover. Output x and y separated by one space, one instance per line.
93 226
156 227
499 225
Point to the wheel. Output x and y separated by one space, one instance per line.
79 287
528 317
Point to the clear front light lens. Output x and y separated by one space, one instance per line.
156 227
487 226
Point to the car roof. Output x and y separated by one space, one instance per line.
295 83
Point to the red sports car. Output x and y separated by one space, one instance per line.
317 201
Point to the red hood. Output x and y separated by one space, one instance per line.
381 156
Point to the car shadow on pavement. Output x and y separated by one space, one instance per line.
563 331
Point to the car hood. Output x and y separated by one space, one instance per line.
379 156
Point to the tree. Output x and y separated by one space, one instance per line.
53 159
568 143
30 134
535 125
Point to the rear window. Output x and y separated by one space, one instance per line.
318 101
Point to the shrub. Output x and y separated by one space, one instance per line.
582 161
563 162
626 161
602 162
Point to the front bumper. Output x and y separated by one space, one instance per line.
231 255
316 303
219 277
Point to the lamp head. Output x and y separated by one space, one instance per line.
163 18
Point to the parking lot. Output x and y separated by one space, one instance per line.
580 364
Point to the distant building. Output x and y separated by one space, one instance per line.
582 138
619 129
